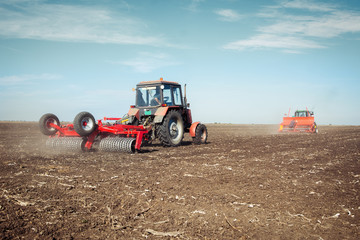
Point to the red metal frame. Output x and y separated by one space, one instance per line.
103 131
301 124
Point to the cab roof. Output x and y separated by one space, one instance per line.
157 82
303 111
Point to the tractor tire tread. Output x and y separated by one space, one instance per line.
200 129
163 129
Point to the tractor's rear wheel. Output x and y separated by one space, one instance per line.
201 134
44 124
171 131
84 124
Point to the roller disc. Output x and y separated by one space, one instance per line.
74 144
116 144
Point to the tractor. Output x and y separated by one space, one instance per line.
302 121
160 112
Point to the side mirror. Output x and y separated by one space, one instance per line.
188 105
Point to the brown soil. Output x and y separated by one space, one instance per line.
248 182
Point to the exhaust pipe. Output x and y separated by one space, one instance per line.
185 99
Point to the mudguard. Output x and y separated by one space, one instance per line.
134 112
160 114
193 128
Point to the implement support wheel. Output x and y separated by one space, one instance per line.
84 124
44 124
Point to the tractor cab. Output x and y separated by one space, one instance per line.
303 113
153 94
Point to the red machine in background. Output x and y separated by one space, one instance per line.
302 121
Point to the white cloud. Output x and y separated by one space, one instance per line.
325 26
309 5
194 4
228 15
147 62
272 41
26 79
292 30
59 22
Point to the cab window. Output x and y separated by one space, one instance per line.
167 95
177 96
148 96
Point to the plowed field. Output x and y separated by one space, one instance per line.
248 182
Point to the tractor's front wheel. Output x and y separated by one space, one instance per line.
201 134
171 131
84 124
45 124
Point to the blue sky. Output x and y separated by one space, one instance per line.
243 61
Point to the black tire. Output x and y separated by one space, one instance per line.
84 124
44 122
292 124
171 131
314 128
201 134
